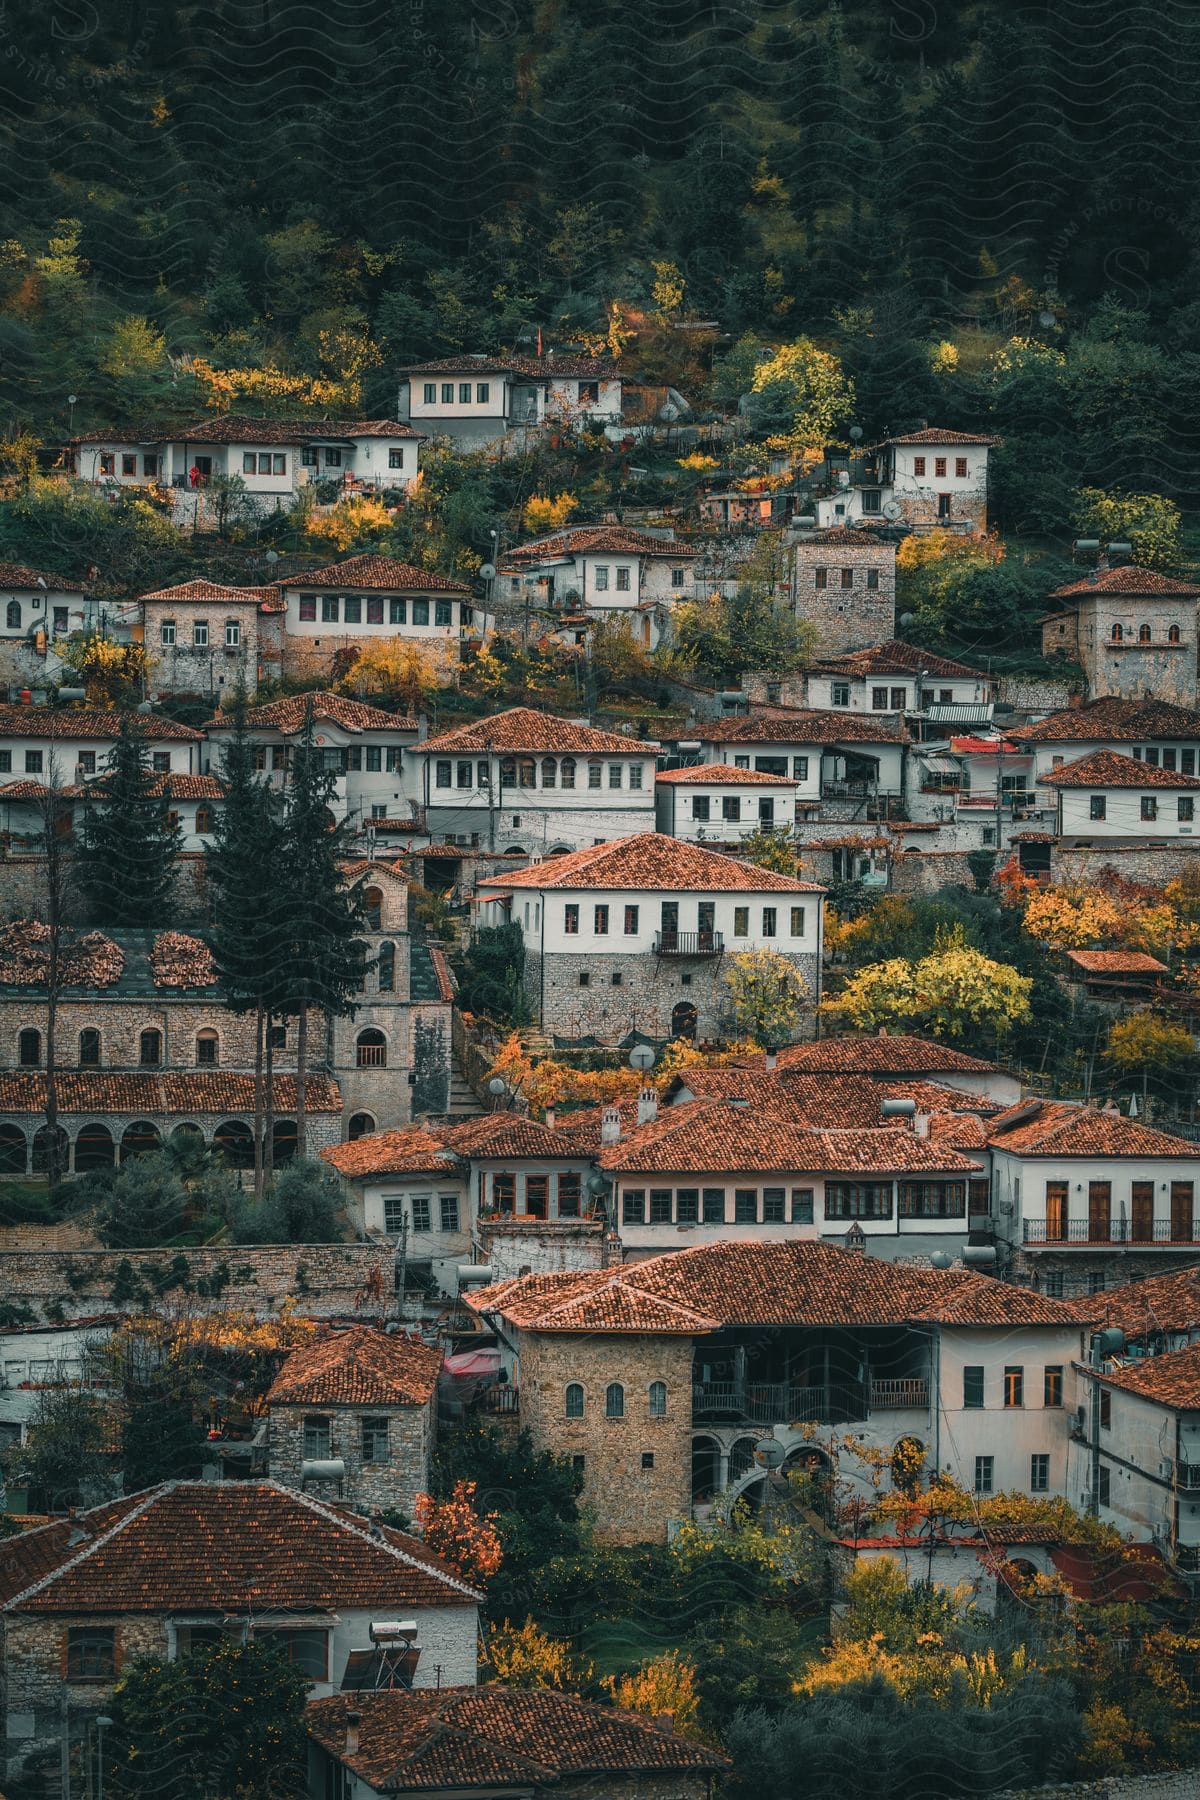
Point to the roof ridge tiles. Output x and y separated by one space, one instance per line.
93 1544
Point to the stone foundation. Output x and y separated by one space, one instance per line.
1153 864
635 993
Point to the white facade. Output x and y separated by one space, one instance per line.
54 611
434 1212
1056 1202
1023 1368
1153 813
639 587
816 768
31 1360
609 922
934 482
538 804
1149 1467
374 769
38 743
893 691
366 616
724 812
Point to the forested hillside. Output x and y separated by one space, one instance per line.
331 191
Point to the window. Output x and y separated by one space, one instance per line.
872 500
91 1652
601 578
249 462
1143 634
595 775
1105 1409
398 612
1039 1473
166 632
839 693
329 609
918 465
879 699
745 1206
800 768
573 1407
447 393
483 391
872 578
431 393
375 1447
623 580
661 1206
160 762
984 1474
600 921
1098 806
33 762
395 459
89 1048
687 1206
820 578
960 467
307 1651
647 1459
972 1387
774 1203
731 808
1103 1485
847 578
317 1438
571 919
769 917
635 775
615 773
422 1212
464 393
614 1401
933 1199
371 1049
448 1208
798 920
108 463
1185 807
352 610
1054 1285
701 808
1172 634
939 465
1052 1385
1149 807
29 1049
741 921
441 613
570 1193
858 1199
233 634
1014 1385
632 914
200 634
1117 634
150 1049
276 1037
585 979
633 1206
206 1049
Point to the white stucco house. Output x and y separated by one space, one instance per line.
719 803
925 480
1150 731
364 601
1106 797
830 754
896 677
587 573
1141 1427
480 400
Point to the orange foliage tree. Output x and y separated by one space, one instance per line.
455 1530
665 1684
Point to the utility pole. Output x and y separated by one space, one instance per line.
401 1264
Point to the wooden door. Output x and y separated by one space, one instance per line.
1056 1211
1141 1205
1099 1209
1182 1194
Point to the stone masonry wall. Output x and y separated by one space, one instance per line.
35 1667
324 1279
845 618
121 1022
631 1504
643 999
925 871
1154 864
393 1484
539 1247
23 889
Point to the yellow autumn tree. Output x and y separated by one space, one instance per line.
952 991
548 512
664 1685
393 667
1147 1041
350 524
1073 917
767 995
525 1656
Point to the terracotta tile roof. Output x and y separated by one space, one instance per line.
408 1151
359 1367
1120 721
847 535
232 1546
1108 769
447 986
650 861
18 575
982 746
706 1136
288 715
180 961
234 428
1127 579
882 1055
190 787
24 790
503 1134
687 1292
523 729
597 540
85 724
1142 1309
932 1096
91 960
933 435
899 657
1068 1128
217 593
812 726
378 572
764 1092
494 1739
1172 1379
721 775
587 368
1116 962
162 1092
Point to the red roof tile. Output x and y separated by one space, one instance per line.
19 575
1068 1128
1108 769
1172 1379
215 593
503 1134
378 572
235 428
91 960
1158 1304
1119 721
933 434
1126 579
222 1547
898 657
848 536
1116 962
721 775
164 1092
180 961
86 723
812 726
715 1136
359 1367
408 1151
288 715
523 729
650 861
612 540
882 1055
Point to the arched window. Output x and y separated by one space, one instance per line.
371 1050
508 771
14 1152
42 1141
574 1406
658 1399
373 908
13 615
150 1049
526 772
387 968
361 1125
1143 634
1117 634
235 1141
1173 634
139 1139
204 821
549 772
89 1048
94 1149
206 1050
566 769
614 1401
29 1049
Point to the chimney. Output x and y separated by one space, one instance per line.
647 1105
920 1124
856 1239
548 1118
610 1125
770 1060
353 1721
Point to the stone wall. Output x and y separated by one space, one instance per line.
775 690
845 618
121 1022
1032 694
1116 1267
23 889
323 1128
631 1504
1154 864
393 1484
511 1246
632 993
35 1651
325 1280
925 871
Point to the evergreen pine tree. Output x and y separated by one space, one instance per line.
129 844
327 960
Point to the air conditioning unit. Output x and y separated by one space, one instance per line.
1005 1207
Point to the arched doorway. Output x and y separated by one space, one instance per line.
14 1151
94 1149
683 1020
706 1469
235 1141
283 1141
139 1139
41 1150
361 1125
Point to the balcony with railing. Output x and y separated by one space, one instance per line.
1187 1475
689 943
776 1402
1064 1233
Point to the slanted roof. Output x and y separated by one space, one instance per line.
721 775
288 715
933 434
1108 769
1116 962
409 1150
596 540
359 1367
1070 1128
383 572
498 1739
19 575
1156 1305
149 1094
522 730
688 1292
885 1054
1119 721
897 657
814 725
88 722
1126 579
235 428
219 1547
652 862
1172 1379
504 1134
216 593
849 536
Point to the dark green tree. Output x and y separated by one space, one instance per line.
146 1206
129 843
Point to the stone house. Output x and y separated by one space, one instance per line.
204 637
895 677
717 803
1106 796
588 573
38 610
497 1744
843 762
189 1563
632 936
351 606
927 480
1140 1424
658 1378
1131 630
844 587
1083 1198
479 400
525 783
365 1398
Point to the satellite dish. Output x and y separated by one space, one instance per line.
769 1453
892 509
641 1057
487 571
1046 319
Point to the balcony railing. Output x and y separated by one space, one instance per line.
776 1402
1187 1475
689 943
1110 1231
893 1394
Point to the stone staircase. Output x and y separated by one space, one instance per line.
463 1100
